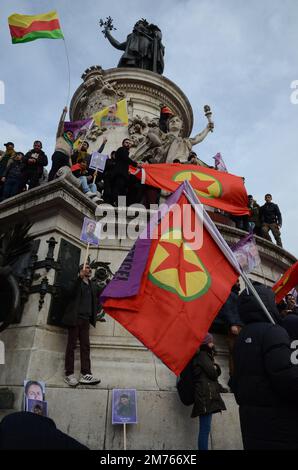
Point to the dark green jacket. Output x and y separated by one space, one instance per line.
207 396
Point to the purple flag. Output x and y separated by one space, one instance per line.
219 163
246 253
127 279
77 126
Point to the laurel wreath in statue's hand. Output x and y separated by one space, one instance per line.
107 25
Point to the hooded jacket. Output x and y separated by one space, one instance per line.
265 382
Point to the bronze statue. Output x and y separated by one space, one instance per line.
143 47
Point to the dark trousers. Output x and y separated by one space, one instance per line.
31 178
81 332
11 188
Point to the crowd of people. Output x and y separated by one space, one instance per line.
20 172
263 373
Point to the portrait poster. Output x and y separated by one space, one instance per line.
91 231
98 161
37 407
124 406
33 390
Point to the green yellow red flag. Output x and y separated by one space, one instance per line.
25 28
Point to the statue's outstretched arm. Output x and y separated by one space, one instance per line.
201 136
114 42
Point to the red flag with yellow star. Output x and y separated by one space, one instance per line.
286 283
182 285
213 188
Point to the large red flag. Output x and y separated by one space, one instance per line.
286 283
181 289
213 188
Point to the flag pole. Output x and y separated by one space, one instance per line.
68 67
124 435
222 244
86 257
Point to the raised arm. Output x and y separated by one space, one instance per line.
201 136
114 42
60 129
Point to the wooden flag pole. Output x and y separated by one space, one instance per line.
86 257
94 177
124 435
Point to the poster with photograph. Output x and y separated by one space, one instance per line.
33 390
98 161
91 231
124 406
38 407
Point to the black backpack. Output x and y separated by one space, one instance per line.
186 385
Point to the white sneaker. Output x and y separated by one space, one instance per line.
89 379
90 194
71 380
96 199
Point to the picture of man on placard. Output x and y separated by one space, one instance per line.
91 231
34 390
98 161
111 119
124 409
38 407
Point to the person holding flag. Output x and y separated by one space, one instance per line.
64 148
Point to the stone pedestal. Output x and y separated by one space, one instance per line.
35 349
146 93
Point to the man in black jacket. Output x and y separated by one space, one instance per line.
120 177
80 312
265 379
271 220
34 162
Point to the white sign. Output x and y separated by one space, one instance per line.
98 161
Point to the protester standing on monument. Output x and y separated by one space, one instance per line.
80 312
271 220
34 162
207 396
13 176
64 148
120 176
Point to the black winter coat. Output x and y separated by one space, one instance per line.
265 381
41 161
73 294
123 161
270 214
205 373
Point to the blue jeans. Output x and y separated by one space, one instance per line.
87 186
204 431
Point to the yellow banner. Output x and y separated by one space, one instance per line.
112 116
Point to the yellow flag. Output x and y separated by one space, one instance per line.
112 116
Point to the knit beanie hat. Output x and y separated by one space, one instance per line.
208 339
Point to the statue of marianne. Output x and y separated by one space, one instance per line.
143 47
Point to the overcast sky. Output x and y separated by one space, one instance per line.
239 57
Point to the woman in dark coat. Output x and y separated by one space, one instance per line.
207 396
